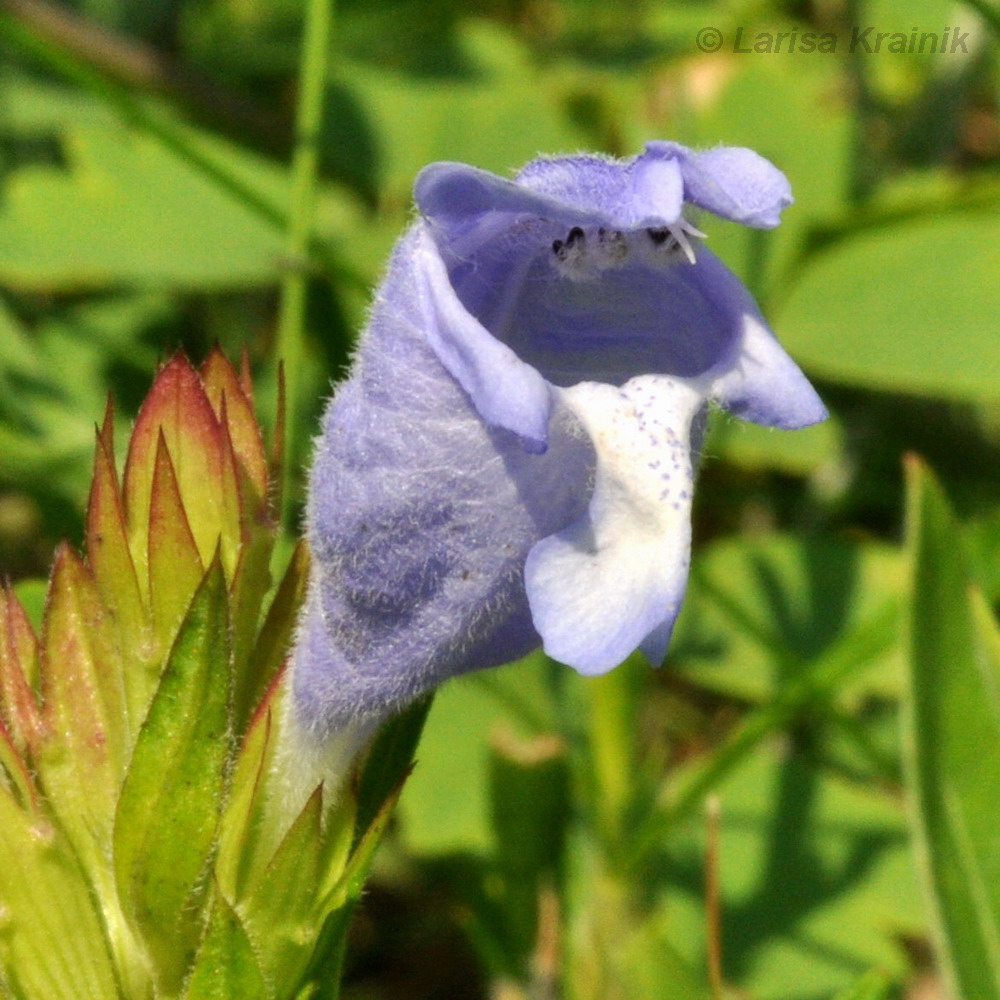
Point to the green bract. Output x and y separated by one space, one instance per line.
147 846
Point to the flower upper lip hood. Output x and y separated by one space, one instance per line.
646 191
618 303
511 461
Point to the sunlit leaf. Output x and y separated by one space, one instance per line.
846 319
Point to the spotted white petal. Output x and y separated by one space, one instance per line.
613 580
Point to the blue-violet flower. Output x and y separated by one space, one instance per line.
510 462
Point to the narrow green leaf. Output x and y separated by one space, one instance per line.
225 388
239 834
352 882
280 908
107 546
81 759
530 809
389 761
19 708
114 571
13 769
952 745
168 814
177 411
529 796
174 564
274 638
322 979
226 966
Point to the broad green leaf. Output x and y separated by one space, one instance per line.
497 117
647 964
952 744
18 353
33 108
817 880
908 306
127 211
901 76
168 813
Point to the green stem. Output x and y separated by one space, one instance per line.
305 162
864 163
611 763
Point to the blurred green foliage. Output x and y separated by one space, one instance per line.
551 841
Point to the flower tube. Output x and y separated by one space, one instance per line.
511 460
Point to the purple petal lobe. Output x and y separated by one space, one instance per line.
657 191
764 385
458 196
757 380
596 184
733 182
506 391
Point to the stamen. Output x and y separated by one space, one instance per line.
582 254
676 236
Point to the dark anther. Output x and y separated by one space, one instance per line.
557 245
659 236
576 233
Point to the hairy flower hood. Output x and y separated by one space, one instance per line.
510 462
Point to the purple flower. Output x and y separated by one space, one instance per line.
511 461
